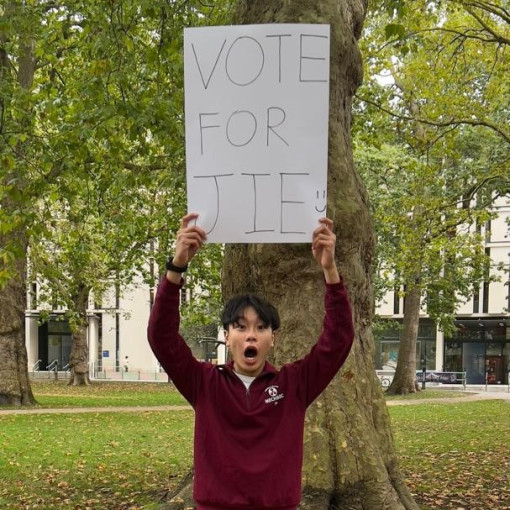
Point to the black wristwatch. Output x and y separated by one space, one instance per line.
170 266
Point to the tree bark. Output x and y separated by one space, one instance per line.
79 357
349 459
404 380
14 382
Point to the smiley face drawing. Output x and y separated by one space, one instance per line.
321 201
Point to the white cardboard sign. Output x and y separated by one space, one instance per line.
256 106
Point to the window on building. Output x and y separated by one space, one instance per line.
389 355
387 342
485 305
469 330
506 354
396 301
386 338
183 296
488 231
476 299
54 300
428 353
473 362
508 285
100 343
494 349
453 357
426 349
33 296
54 343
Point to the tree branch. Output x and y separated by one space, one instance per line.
437 123
496 10
487 28
470 33
133 166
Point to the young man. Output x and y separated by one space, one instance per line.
249 416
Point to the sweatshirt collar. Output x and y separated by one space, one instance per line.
267 370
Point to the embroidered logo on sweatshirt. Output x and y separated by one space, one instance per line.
273 395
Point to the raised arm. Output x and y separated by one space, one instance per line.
323 250
319 366
189 240
163 329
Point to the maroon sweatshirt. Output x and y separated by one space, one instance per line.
248 444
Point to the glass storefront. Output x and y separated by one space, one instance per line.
54 343
453 356
481 348
473 357
387 342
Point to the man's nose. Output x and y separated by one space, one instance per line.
251 335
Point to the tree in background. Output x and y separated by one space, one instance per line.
92 143
429 248
19 185
430 148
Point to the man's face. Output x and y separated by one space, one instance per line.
249 342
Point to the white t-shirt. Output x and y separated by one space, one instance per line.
247 380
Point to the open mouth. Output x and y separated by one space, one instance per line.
250 352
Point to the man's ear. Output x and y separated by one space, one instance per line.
225 335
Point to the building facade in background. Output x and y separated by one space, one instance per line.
117 328
480 346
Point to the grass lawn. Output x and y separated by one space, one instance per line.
105 394
454 455
92 461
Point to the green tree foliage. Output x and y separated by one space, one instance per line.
93 147
107 153
450 63
427 234
432 145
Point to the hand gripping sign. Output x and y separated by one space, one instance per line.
256 105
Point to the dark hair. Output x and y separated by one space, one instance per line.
235 307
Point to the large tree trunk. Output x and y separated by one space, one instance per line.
79 357
404 380
14 383
349 460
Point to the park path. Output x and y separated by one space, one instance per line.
468 397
